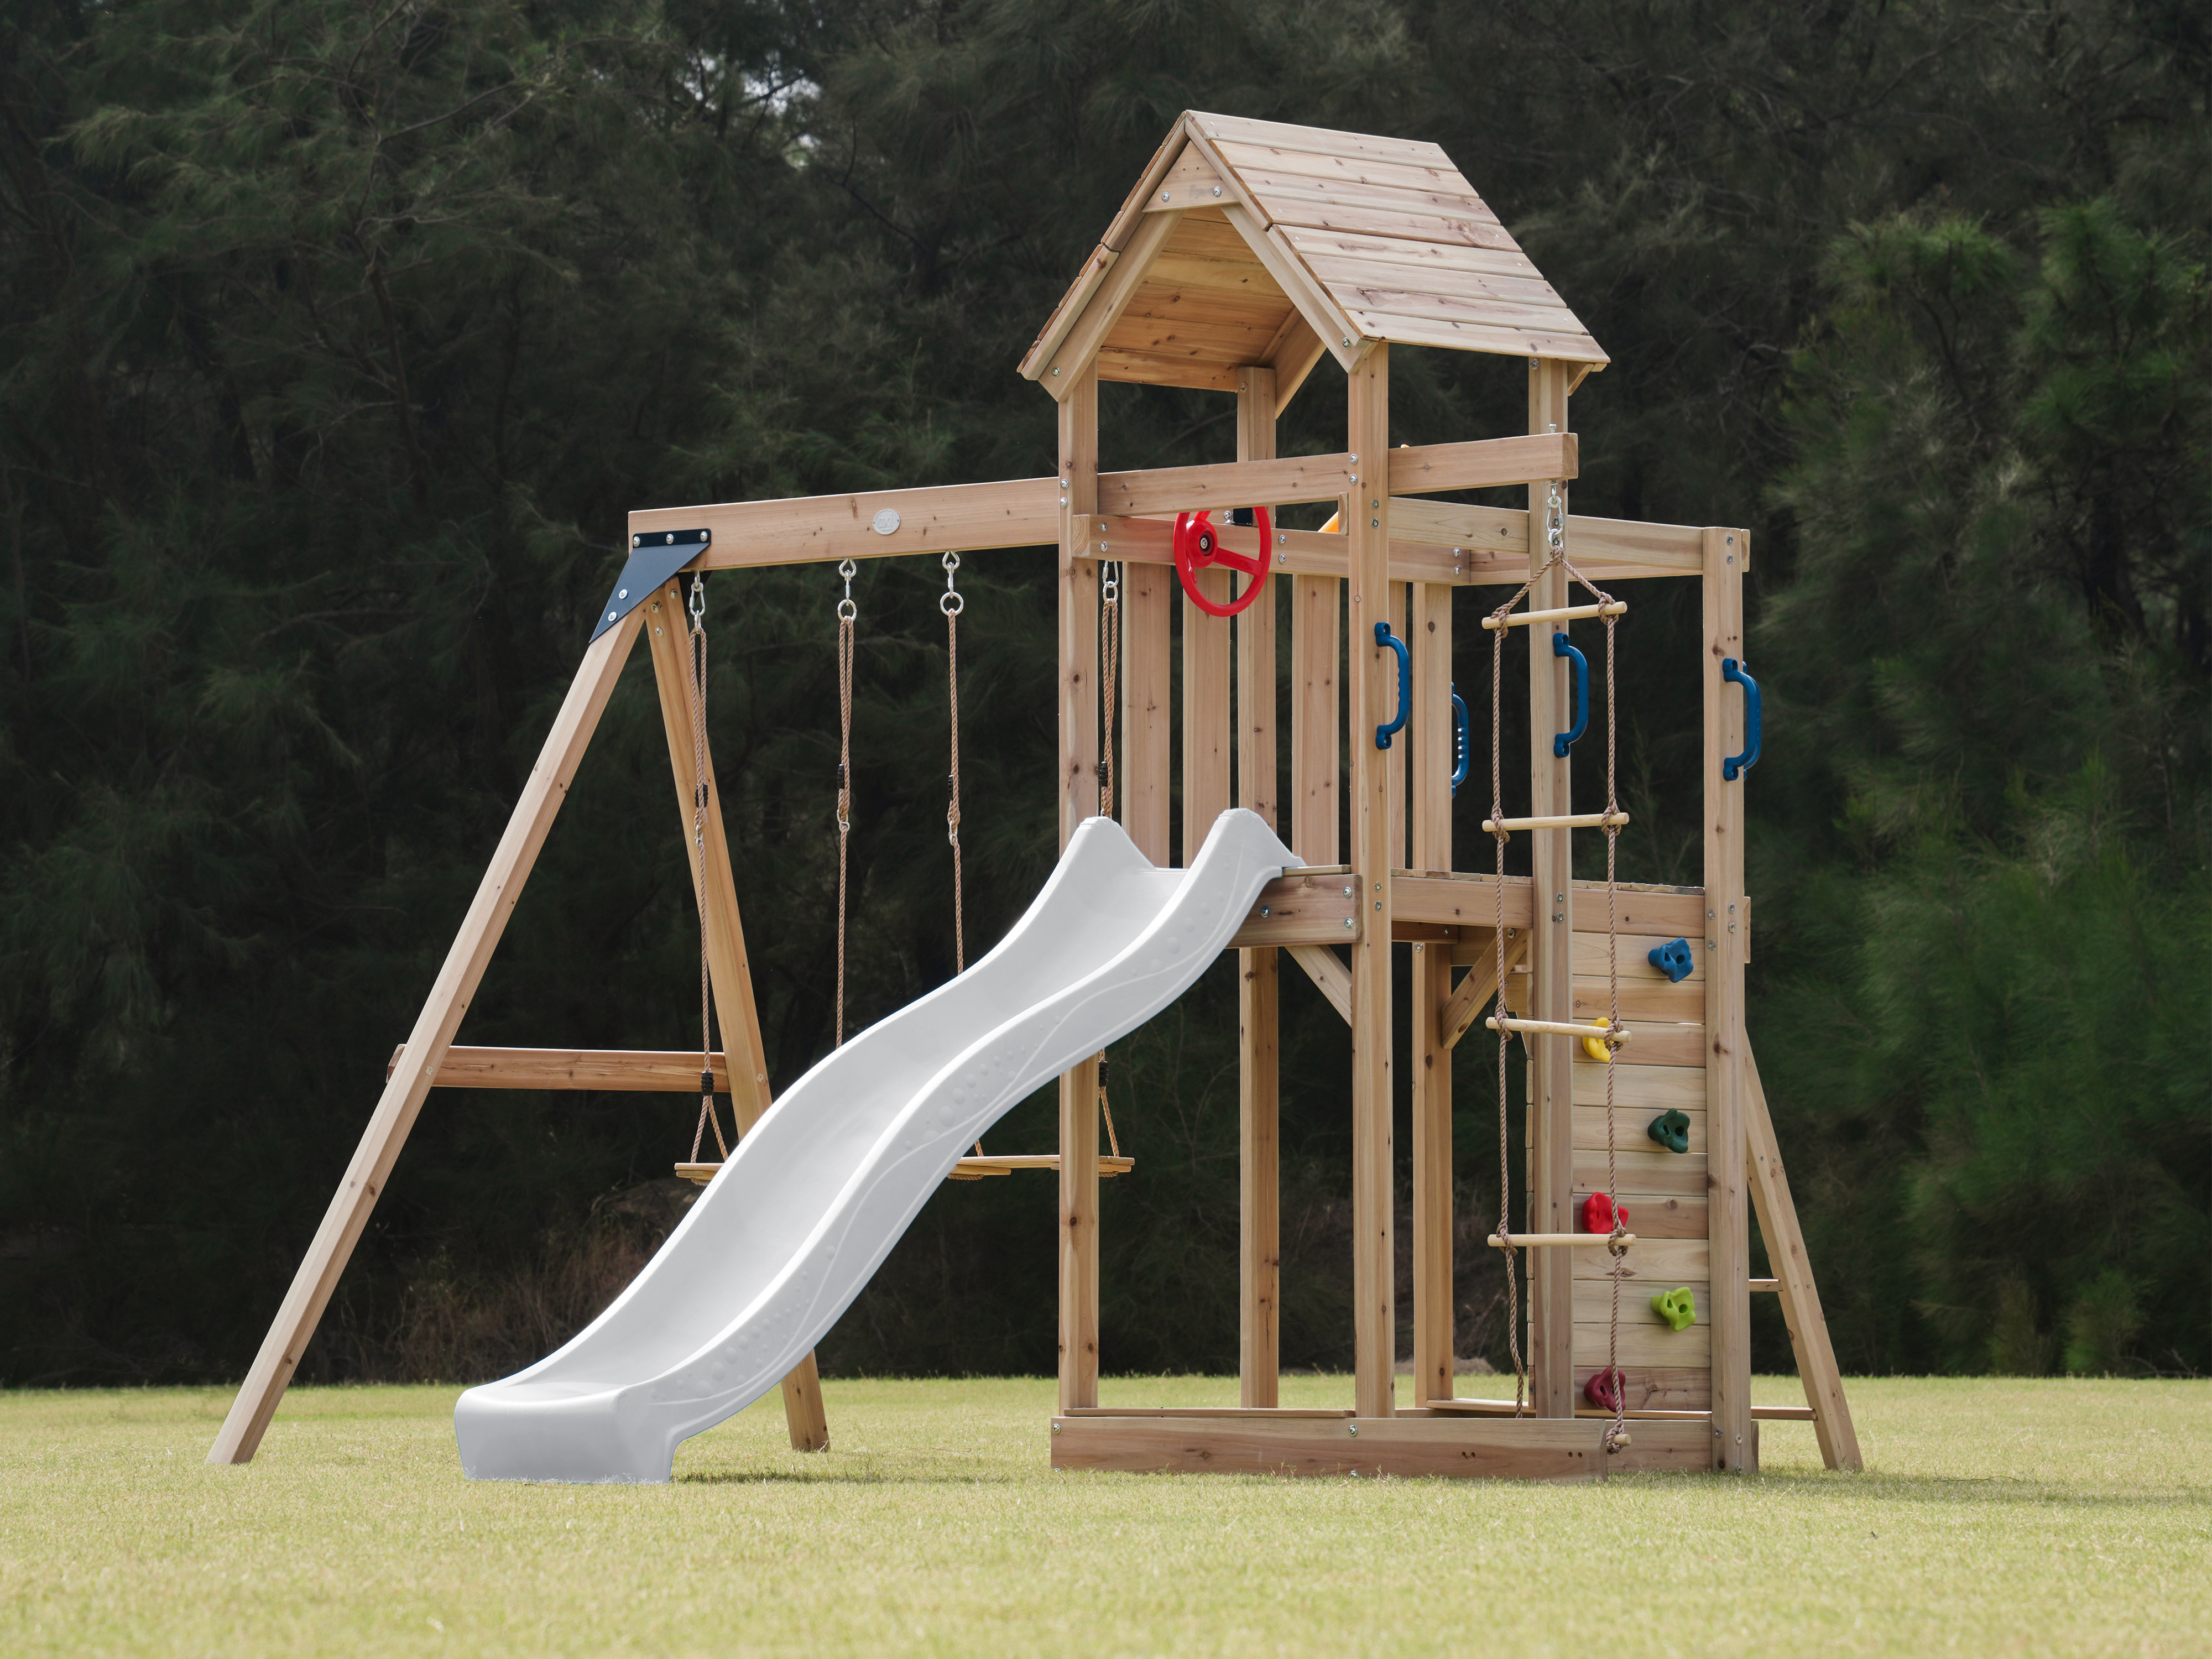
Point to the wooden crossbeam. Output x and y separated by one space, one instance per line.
1329 975
640 1071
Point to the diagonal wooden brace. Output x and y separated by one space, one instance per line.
410 1079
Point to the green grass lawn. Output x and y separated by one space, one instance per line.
1996 1516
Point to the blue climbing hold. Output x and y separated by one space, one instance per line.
1672 959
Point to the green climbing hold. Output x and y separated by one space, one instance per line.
1678 1307
1671 1130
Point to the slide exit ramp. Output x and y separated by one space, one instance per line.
814 1198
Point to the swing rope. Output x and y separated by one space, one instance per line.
847 611
1109 659
1555 533
698 646
952 603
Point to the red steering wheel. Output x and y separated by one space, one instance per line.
1198 547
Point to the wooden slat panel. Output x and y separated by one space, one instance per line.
1659 1216
1254 161
1590 951
1234 341
1341 248
1466 230
1225 307
1430 733
1315 730
1293 198
1566 1449
1484 464
1207 737
1147 679
1648 1342
1632 1118
1244 277
1465 901
1594 1299
1115 286
1664 1263
1191 182
1648 1171
1433 1176
1641 1000
1662 1387
1548 317
1441 277
1127 368
1655 1088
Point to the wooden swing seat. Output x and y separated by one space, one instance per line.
969 1169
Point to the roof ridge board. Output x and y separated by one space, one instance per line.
1313 141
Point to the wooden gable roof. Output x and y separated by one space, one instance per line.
1252 242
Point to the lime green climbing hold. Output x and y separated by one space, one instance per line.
1678 1307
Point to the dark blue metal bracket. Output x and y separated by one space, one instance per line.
1734 766
1463 751
1672 959
1565 740
1384 636
654 559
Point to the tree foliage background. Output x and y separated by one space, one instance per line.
338 335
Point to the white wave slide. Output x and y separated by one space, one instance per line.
813 1200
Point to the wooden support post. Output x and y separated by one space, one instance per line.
1207 737
1793 1278
1432 727
667 632
1735 1447
1316 732
1432 1175
1079 799
1374 689
1147 682
543 791
1259 1092
1551 951
1398 756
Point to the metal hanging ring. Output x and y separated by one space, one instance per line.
698 605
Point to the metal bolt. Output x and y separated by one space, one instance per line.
1217 189
1558 916
1347 345
1347 923
1055 371
1558 898
1378 904
1165 196
1355 1430
1375 523
610 616
624 593
1266 911
1347 892
1355 460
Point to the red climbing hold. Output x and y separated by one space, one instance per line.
1598 1212
1603 1389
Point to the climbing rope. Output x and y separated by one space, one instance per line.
697 644
1555 539
847 612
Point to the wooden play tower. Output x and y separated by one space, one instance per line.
1247 250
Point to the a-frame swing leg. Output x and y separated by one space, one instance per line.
1793 1269
409 1080
667 637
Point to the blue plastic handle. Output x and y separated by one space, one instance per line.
1565 740
1734 766
1384 636
1462 750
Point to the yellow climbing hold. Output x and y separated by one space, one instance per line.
1595 1047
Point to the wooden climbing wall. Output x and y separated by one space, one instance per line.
1664 1192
